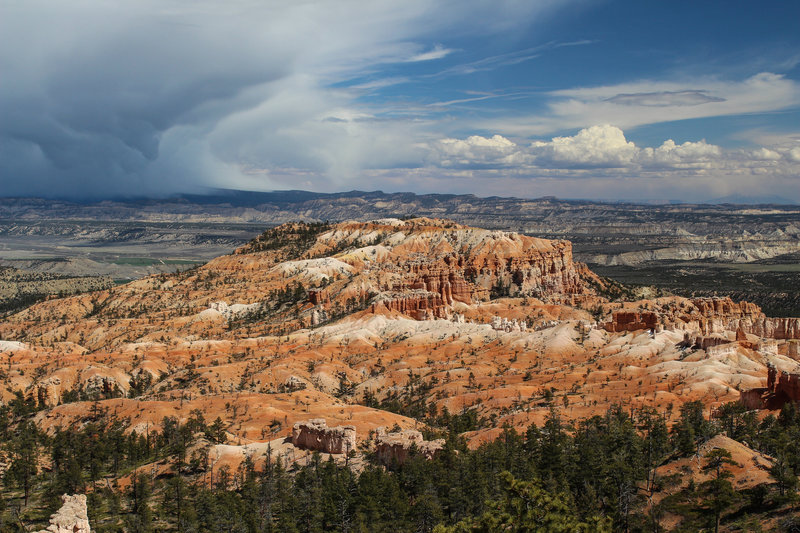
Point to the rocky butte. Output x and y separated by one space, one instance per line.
333 321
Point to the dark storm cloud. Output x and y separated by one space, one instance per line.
147 97
89 91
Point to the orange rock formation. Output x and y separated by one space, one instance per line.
330 321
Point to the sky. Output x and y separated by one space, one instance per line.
594 99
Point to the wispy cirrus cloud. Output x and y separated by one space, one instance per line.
506 60
438 52
665 98
478 97
380 83
635 104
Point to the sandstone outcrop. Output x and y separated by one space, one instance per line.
725 308
715 315
48 392
703 342
318 316
317 297
397 447
444 279
316 435
429 265
98 386
72 517
513 325
793 349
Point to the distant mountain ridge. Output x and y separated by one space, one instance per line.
228 205
603 233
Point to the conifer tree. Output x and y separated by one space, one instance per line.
719 489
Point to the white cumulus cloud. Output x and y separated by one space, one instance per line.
604 150
475 150
597 146
671 154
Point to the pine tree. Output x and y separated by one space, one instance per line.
140 519
719 489
24 465
525 506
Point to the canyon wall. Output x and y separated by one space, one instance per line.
632 321
779 382
774 328
437 265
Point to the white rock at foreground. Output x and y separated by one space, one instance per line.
71 518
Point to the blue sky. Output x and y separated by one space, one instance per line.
579 99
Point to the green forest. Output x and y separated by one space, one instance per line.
595 475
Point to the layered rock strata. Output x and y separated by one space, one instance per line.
774 328
632 321
420 305
424 266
